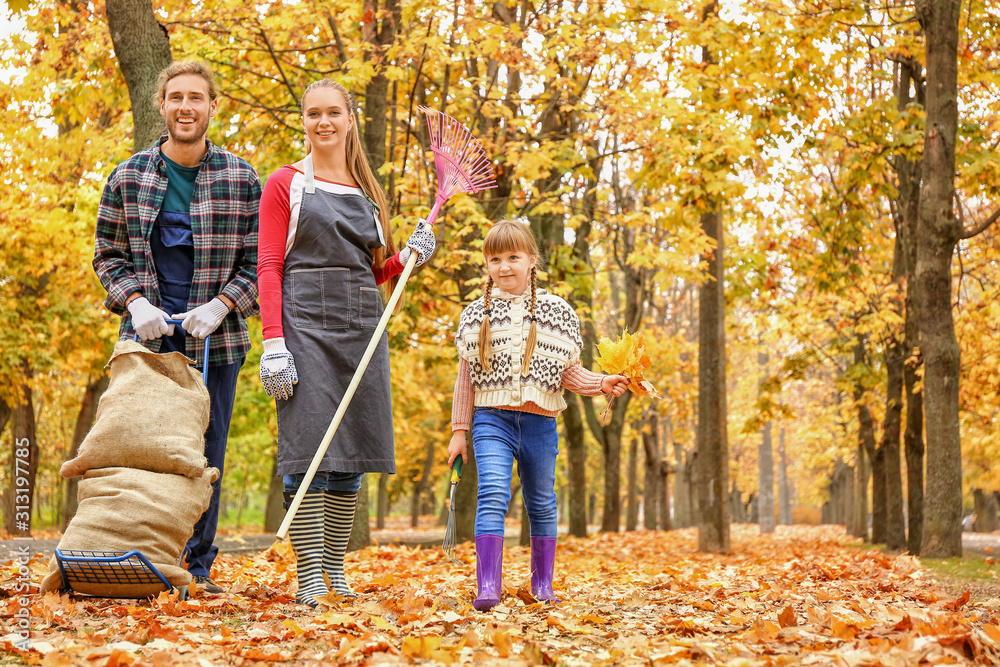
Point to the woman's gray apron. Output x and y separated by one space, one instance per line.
330 307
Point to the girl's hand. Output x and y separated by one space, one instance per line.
457 447
615 385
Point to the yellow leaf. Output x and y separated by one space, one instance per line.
627 357
421 647
501 641
294 627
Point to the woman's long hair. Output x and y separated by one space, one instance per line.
504 237
362 172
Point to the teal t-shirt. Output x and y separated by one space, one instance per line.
180 186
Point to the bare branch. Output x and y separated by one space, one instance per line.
979 229
336 35
277 63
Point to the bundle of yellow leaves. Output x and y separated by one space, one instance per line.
627 357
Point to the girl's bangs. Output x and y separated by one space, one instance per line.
509 238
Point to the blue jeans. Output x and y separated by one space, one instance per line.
500 437
342 483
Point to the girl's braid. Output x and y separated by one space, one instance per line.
485 338
529 347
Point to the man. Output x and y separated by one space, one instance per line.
177 239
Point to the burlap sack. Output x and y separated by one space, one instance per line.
123 509
152 417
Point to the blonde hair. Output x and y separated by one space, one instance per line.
185 67
507 236
362 172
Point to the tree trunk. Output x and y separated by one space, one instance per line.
765 464
576 462
736 509
421 484
866 440
575 413
5 413
651 493
692 485
142 48
360 531
274 511
383 500
666 522
938 232
784 502
682 490
913 435
632 518
84 420
848 496
378 29
986 511
612 447
860 528
878 493
23 473
908 209
713 449
895 531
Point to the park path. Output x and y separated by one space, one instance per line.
981 544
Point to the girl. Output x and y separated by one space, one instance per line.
325 243
518 346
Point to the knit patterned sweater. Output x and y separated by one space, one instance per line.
555 363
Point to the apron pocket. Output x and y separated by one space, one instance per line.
370 310
321 298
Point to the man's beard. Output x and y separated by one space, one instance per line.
199 130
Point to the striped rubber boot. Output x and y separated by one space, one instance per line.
306 533
338 518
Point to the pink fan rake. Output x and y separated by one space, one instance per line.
462 166
459 159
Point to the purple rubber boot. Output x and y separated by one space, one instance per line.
489 568
543 562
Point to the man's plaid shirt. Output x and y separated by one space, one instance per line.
224 223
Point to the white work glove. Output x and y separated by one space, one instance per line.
277 369
200 322
149 321
421 241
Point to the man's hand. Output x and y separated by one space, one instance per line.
457 447
277 369
149 321
421 242
200 322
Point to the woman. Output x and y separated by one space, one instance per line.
325 243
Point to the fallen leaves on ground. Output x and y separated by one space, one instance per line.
796 598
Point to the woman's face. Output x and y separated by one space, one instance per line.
510 270
327 119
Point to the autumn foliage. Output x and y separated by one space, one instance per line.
800 596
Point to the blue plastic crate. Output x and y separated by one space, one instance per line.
107 567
